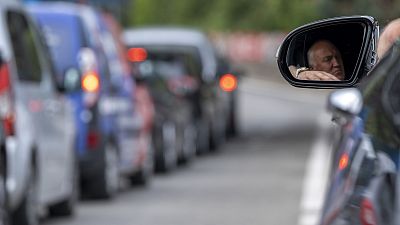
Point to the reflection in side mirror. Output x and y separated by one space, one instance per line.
329 53
345 103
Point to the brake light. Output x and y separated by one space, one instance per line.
137 54
228 82
367 213
6 108
90 82
4 78
344 161
92 140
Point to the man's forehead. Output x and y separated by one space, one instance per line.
322 52
323 45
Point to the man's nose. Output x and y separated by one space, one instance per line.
335 62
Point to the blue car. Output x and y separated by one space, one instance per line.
103 99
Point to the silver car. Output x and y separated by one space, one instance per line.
38 123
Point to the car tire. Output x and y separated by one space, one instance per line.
106 183
143 176
189 143
27 212
4 219
217 136
232 129
203 137
387 202
168 157
67 206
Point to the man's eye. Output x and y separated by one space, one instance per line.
327 59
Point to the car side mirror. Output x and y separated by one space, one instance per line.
343 47
345 104
143 70
72 80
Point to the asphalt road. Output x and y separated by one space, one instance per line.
254 179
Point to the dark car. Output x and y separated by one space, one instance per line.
211 105
167 75
363 186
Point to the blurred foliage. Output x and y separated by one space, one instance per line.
383 10
224 15
252 15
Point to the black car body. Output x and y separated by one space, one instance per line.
167 75
363 185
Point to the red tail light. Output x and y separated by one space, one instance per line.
228 82
91 88
6 107
137 54
344 161
367 213
90 82
93 140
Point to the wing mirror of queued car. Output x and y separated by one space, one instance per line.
143 70
352 40
345 104
71 81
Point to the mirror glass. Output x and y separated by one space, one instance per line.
328 53
71 80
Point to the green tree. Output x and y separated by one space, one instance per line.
225 15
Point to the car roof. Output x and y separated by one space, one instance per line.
57 7
176 36
11 2
169 36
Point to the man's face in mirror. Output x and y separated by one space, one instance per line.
324 56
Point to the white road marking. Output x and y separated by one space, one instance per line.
316 175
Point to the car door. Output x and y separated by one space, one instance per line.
38 90
59 137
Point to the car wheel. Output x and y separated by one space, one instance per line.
218 136
189 143
67 206
106 184
387 203
27 212
203 137
168 157
4 220
143 176
232 129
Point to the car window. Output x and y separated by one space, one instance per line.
188 56
23 45
65 37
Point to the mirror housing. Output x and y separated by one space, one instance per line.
345 104
143 71
355 38
71 80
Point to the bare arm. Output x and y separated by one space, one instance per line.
312 75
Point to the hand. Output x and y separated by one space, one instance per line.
317 75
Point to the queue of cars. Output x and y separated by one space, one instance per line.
363 183
77 116
202 68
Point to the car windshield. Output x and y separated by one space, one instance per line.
174 60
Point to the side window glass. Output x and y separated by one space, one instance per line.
25 50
